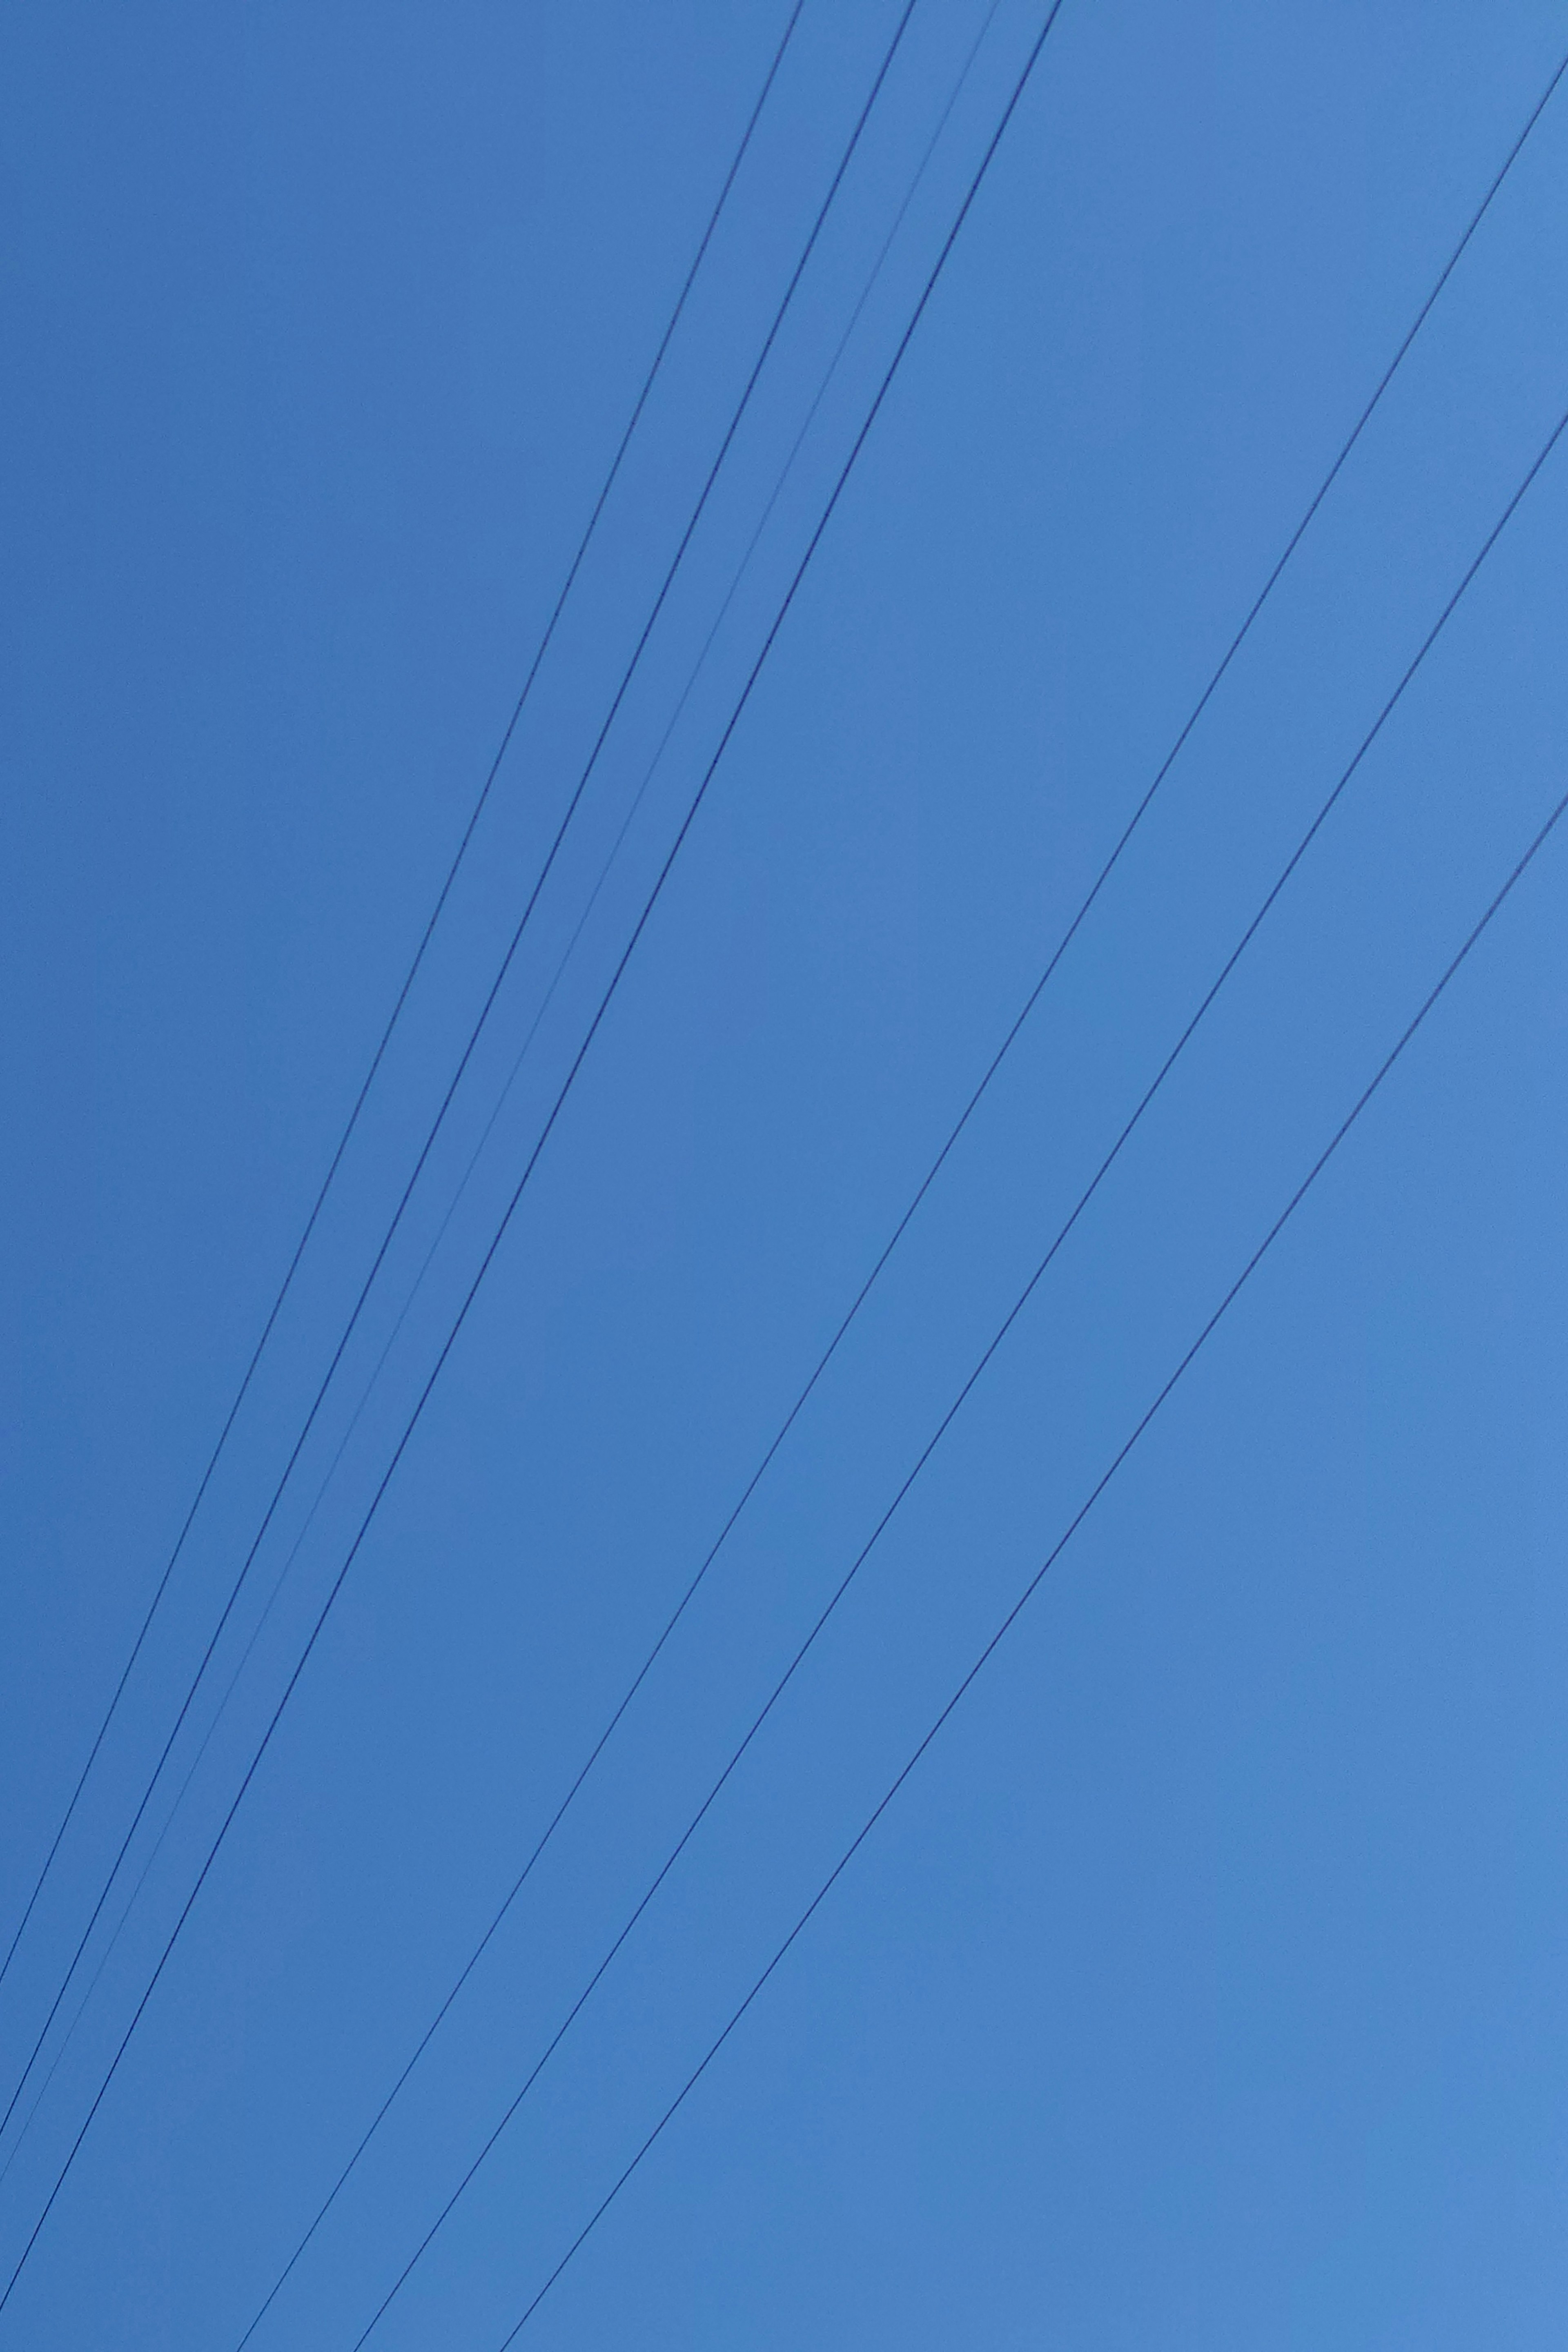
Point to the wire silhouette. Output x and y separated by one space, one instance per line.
429 1144
1005 1627
990 1350
842 1329
300 1537
376 1059
604 1005
474 1957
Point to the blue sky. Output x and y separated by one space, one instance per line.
1203 1985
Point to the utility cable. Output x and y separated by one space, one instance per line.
990 1350
842 1329
402 997
417 1286
1231 651
437 1124
340 2182
605 1000
1005 1627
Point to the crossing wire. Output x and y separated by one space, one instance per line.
298 1543
1005 1627
840 1333
437 1124
605 1001
376 1059
993 1345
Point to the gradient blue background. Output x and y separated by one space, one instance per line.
1205 1987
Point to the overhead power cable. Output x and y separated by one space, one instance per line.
1005 1627
1145 1101
437 1124
841 1332
377 1057
603 1007
328 1477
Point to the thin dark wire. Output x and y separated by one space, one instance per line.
1037 990
159 1843
517 1886
408 981
1234 648
840 1333
1060 950
1014 1312
687 690
854 1310
994 1065
41 2093
1042 1570
497 982
298 1543
583 1051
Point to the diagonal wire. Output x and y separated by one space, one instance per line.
496 985
604 1005
340 2182
402 997
990 1350
418 1284
1233 648
1039 986
1270 1237
994 1065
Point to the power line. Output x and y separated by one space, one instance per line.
298 1543
472 1963
435 1126
1050 1561
990 1350
606 999
409 976
823 1362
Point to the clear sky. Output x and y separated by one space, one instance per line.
1204 1985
